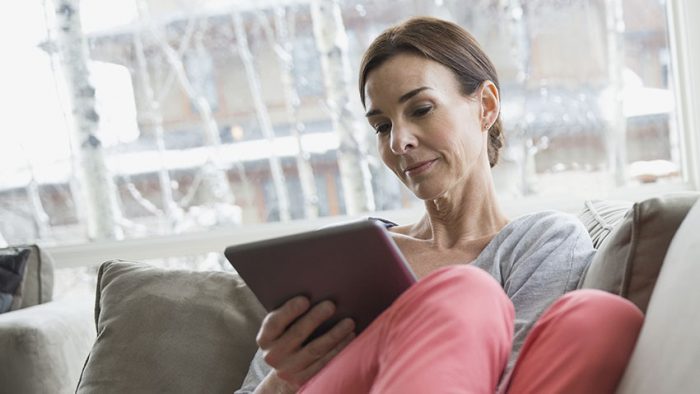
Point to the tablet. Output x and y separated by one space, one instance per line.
357 266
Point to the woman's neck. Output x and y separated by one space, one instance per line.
462 217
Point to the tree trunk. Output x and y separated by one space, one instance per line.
96 183
263 117
523 143
332 44
284 48
170 209
616 136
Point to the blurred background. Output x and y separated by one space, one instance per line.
151 118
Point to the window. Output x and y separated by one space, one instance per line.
188 133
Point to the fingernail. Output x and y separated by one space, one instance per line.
328 307
300 303
347 324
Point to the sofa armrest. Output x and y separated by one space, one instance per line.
43 347
665 358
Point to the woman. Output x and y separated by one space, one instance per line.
432 96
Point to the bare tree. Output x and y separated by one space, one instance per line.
332 43
263 116
282 41
153 114
41 218
214 182
96 183
184 46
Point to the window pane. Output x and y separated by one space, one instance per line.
224 114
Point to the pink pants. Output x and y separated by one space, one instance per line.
452 333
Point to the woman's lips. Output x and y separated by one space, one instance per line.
419 168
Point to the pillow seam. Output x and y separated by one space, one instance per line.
629 261
38 276
98 293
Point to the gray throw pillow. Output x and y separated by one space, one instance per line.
628 263
167 331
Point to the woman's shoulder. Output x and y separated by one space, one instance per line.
545 241
541 227
549 219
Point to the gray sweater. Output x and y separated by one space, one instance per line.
536 258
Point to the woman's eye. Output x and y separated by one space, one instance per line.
422 111
382 128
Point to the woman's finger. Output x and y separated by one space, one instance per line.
276 322
297 333
319 347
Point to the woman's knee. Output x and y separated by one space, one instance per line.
598 305
456 304
601 317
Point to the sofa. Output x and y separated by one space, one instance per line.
177 331
43 342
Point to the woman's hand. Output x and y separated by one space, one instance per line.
282 344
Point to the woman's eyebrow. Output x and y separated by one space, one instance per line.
412 93
404 97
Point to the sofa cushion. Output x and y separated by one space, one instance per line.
665 359
170 331
629 262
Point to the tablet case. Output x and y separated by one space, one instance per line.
357 265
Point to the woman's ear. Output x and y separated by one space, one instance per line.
490 104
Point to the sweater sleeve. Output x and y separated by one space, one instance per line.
256 373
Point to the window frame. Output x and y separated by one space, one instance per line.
684 44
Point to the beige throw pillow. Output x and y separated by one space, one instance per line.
166 331
629 261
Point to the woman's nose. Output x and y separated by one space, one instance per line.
403 139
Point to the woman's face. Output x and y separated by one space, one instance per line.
429 134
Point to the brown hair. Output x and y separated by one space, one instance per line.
443 42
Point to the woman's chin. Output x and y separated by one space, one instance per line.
426 192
